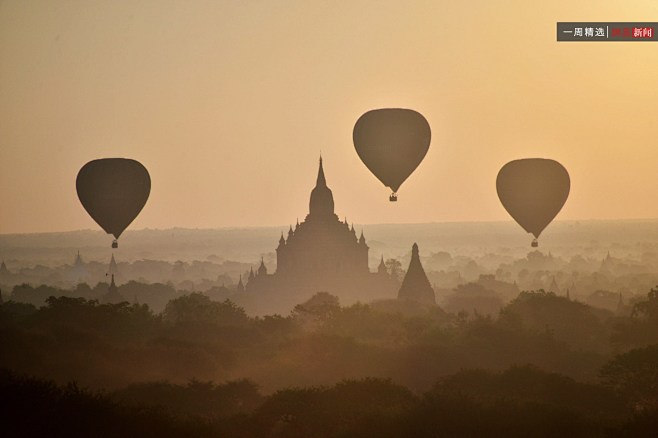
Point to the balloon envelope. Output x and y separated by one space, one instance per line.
113 191
392 142
533 191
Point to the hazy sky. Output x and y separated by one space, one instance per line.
229 103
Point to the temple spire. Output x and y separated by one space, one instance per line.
321 181
416 286
381 269
262 270
113 266
112 296
322 200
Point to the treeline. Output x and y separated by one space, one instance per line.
155 295
388 368
319 343
520 401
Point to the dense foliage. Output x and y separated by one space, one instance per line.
390 368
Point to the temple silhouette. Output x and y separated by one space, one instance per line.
324 254
78 272
416 286
112 296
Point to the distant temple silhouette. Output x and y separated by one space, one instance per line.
321 254
112 268
78 272
112 296
322 246
416 286
5 275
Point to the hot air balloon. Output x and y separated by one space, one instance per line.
113 191
533 191
392 142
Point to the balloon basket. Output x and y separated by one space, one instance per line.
534 243
393 197
115 244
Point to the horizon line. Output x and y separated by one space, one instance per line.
256 227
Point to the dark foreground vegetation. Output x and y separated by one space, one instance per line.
546 366
521 401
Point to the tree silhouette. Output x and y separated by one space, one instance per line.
635 374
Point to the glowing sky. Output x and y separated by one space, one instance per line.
229 103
